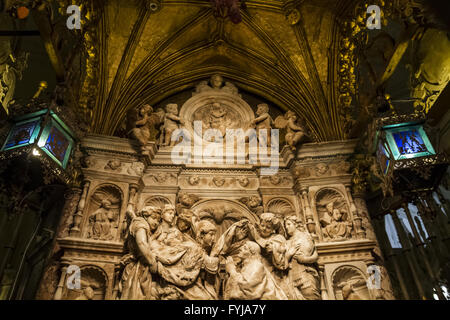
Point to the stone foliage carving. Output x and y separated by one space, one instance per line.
164 177
334 215
276 180
136 168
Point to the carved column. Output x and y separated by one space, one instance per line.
323 286
77 218
310 223
356 218
62 279
72 197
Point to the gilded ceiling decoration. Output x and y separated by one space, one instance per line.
302 55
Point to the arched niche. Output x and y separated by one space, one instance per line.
334 214
94 283
349 283
102 217
223 213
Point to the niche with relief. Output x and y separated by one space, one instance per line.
102 220
93 285
333 213
349 284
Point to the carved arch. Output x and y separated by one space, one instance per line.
223 213
349 282
104 191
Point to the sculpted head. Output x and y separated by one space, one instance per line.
249 249
206 233
291 115
216 81
337 215
168 214
330 207
145 109
262 108
172 108
187 199
152 215
268 225
292 223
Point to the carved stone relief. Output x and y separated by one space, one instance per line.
93 285
280 207
322 170
113 165
333 215
103 213
350 284
253 203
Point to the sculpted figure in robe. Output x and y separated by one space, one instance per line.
180 258
268 234
248 278
300 257
338 229
137 282
101 220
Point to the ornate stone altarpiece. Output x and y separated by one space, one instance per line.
145 228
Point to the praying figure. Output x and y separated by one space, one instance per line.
101 220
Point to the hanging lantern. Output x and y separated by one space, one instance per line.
405 153
40 135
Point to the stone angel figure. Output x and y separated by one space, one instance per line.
295 132
143 124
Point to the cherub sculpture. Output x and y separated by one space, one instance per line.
295 132
172 122
143 124
263 121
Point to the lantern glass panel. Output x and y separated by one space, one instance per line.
56 143
22 134
408 142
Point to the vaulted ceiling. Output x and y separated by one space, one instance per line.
301 55
146 57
